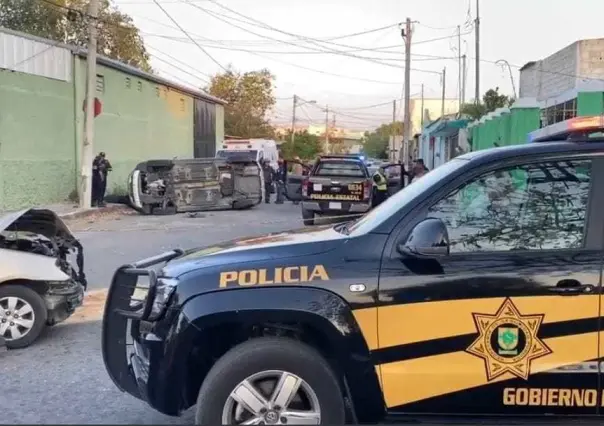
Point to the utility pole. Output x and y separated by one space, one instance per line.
407 117
326 129
459 83
87 154
423 106
477 29
392 144
463 81
294 120
442 108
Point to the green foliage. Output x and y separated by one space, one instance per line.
249 96
491 100
375 144
118 37
306 146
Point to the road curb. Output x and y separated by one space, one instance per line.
84 213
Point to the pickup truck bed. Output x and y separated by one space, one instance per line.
336 188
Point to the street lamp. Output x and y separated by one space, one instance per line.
504 64
296 104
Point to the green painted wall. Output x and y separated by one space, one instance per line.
590 103
36 140
140 120
524 121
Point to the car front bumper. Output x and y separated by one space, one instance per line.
137 357
61 300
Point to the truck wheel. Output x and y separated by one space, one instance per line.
22 315
308 217
270 381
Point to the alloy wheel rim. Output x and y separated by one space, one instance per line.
272 397
17 318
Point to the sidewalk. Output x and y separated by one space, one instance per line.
73 211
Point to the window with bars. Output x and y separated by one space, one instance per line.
559 112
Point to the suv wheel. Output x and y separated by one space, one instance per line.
308 217
22 315
270 381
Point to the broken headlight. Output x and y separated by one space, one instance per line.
163 291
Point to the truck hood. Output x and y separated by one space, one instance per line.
36 221
305 241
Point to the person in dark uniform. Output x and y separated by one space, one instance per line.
280 179
100 169
267 173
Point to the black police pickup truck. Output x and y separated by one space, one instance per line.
337 185
476 292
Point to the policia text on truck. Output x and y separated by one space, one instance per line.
477 292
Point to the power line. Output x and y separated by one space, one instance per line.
180 69
421 57
187 34
339 52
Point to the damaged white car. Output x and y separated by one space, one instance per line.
42 278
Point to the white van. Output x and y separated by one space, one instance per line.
257 149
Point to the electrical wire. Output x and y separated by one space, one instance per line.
187 34
180 69
179 61
339 52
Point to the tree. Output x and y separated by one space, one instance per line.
305 146
491 100
375 144
67 22
250 97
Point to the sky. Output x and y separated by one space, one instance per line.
352 83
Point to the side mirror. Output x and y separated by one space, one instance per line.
429 238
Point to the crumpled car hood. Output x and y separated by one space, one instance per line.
38 221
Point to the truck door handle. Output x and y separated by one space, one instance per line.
571 287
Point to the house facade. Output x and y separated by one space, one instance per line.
42 93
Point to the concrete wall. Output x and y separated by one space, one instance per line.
591 55
572 67
37 142
141 120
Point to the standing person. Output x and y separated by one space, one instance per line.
298 170
267 173
100 169
419 169
380 184
280 179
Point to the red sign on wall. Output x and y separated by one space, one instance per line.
98 107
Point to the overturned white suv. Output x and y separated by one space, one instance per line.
42 278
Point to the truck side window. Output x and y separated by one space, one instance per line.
539 206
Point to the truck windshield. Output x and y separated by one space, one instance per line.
339 168
240 153
429 182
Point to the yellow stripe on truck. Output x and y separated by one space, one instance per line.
404 382
419 322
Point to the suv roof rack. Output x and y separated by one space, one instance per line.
575 129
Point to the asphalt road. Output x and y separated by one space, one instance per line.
62 379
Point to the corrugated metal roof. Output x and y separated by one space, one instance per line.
35 57
111 63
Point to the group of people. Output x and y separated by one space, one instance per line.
380 181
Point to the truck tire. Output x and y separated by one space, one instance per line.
308 217
262 364
30 319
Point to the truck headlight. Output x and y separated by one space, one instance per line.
163 291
